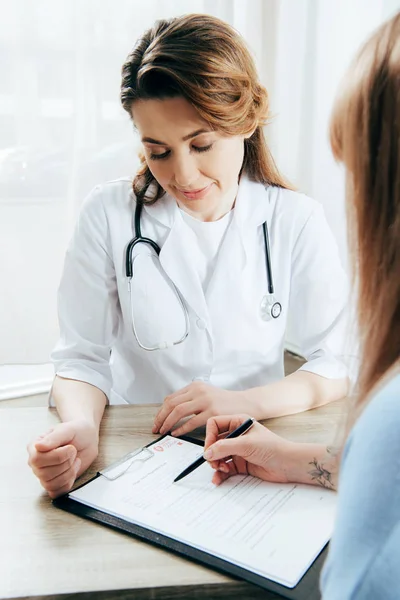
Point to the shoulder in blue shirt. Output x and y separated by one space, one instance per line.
364 556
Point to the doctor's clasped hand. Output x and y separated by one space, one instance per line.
58 457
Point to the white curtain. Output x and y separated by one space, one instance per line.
62 129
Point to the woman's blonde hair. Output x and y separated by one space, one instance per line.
365 135
204 60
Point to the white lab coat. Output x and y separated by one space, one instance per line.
229 345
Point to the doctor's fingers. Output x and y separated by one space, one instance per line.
193 423
197 390
186 409
38 460
47 474
167 408
64 482
222 425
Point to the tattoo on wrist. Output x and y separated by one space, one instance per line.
321 475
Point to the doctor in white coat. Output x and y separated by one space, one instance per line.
179 289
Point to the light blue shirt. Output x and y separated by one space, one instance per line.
364 556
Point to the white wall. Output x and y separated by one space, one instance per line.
316 42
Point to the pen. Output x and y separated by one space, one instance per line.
199 461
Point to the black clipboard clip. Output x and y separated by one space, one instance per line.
124 464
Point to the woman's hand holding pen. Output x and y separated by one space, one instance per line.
58 457
200 401
258 452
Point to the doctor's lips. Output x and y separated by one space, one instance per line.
194 194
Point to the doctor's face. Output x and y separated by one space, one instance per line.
199 167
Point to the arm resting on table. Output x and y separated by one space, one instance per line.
77 400
295 393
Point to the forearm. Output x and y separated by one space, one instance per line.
78 400
295 393
313 464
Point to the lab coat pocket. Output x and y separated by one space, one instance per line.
159 317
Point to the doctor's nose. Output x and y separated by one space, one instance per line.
185 172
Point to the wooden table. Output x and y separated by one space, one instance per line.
46 553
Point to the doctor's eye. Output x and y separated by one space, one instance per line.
202 148
165 154
159 156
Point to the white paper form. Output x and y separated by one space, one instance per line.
274 530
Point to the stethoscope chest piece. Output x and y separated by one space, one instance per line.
269 308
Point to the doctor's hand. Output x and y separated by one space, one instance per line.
202 401
258 452
59 456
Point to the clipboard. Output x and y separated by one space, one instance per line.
306 589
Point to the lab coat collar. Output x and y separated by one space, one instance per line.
254 203
164 210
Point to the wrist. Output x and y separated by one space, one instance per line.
92 426
79 401
85 426
83 414
312 464
297 457
253 403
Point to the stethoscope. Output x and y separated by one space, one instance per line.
269 307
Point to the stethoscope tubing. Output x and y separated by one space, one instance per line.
138 239
275 307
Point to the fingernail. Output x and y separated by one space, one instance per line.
78 464
208 454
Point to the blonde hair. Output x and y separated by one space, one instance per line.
365 135
204 60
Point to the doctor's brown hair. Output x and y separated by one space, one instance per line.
204 60
365 135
